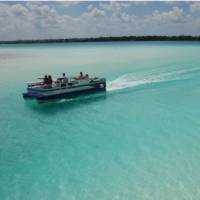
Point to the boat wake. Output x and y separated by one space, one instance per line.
131 80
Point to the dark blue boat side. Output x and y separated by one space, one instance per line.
81 87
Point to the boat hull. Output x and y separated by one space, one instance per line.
66 92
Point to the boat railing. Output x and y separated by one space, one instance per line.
35 84
72 81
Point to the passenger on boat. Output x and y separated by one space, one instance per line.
81 76
64 78
86 77
45 80
58 82
50 81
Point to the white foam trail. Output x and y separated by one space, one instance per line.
133 79
122 83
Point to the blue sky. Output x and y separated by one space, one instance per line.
44 20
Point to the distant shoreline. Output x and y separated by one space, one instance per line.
107 39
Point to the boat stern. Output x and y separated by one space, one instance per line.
31 94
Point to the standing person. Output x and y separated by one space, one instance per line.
65 79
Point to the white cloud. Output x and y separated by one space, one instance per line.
94 13
90 7
171 2
35 20
19 10
173 16
195 7
114 6
67 3
3 10
139 2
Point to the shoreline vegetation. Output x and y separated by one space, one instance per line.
107 39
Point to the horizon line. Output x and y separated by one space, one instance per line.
106 39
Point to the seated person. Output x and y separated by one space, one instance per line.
81 76
58 82
45 80
50 81
86 77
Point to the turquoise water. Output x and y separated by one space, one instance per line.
138 141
